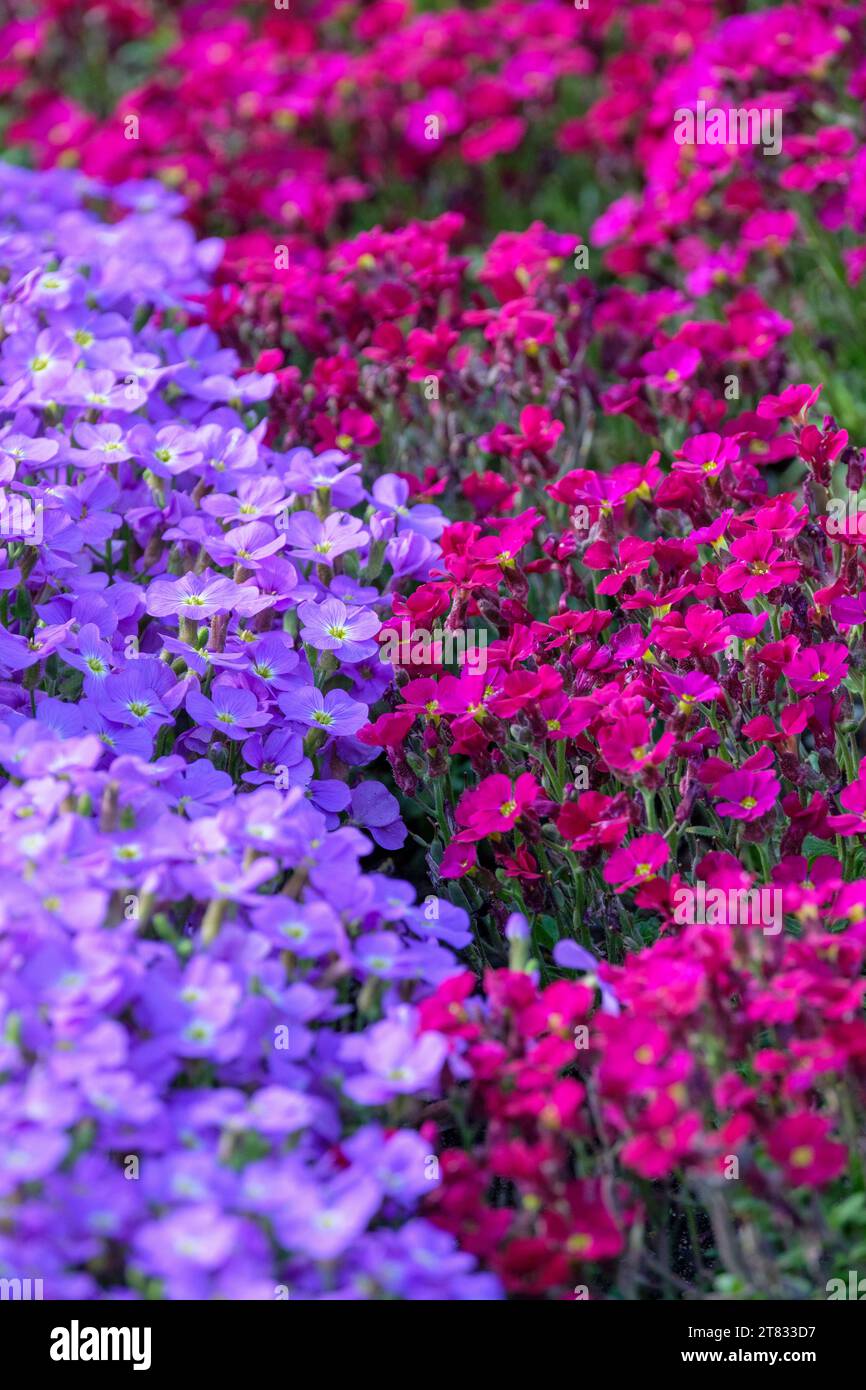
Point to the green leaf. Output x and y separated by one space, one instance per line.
812 847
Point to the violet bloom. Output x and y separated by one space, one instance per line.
391 494
118 740
382 953
332 627
411 555
17 653
394 1059
271 660
310 930
246 545
201 1235
167 452
322 1222
377 810
199 789
746 795
351 592
93 657
277 758
517 928
571 956
329 472
22 448
231 711
256 498
440 919
308 538
134 696
98 445
335 712
194 596
397 1161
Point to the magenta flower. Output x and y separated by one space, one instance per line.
792 403
637 862
706 454
627 745
758 567
853 798
668 367
819 668
746 795
693 689
495 804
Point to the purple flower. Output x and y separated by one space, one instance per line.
391 494
246 545
22 448
308 538
194 596
332 627
93 657
167 452
572 956
134 696
374 807
322 1222
201 1235
334 712
393 1060
232 711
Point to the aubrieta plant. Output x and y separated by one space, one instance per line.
210 1031
432 617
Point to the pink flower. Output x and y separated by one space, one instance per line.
427 135
636 863
693 689
494 806
496 137
668 367
706 454
626 745
792 404
819 668
757 568
746 795
800 1144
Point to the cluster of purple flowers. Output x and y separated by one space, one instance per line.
208 1027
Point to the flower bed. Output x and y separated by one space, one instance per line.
431 621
